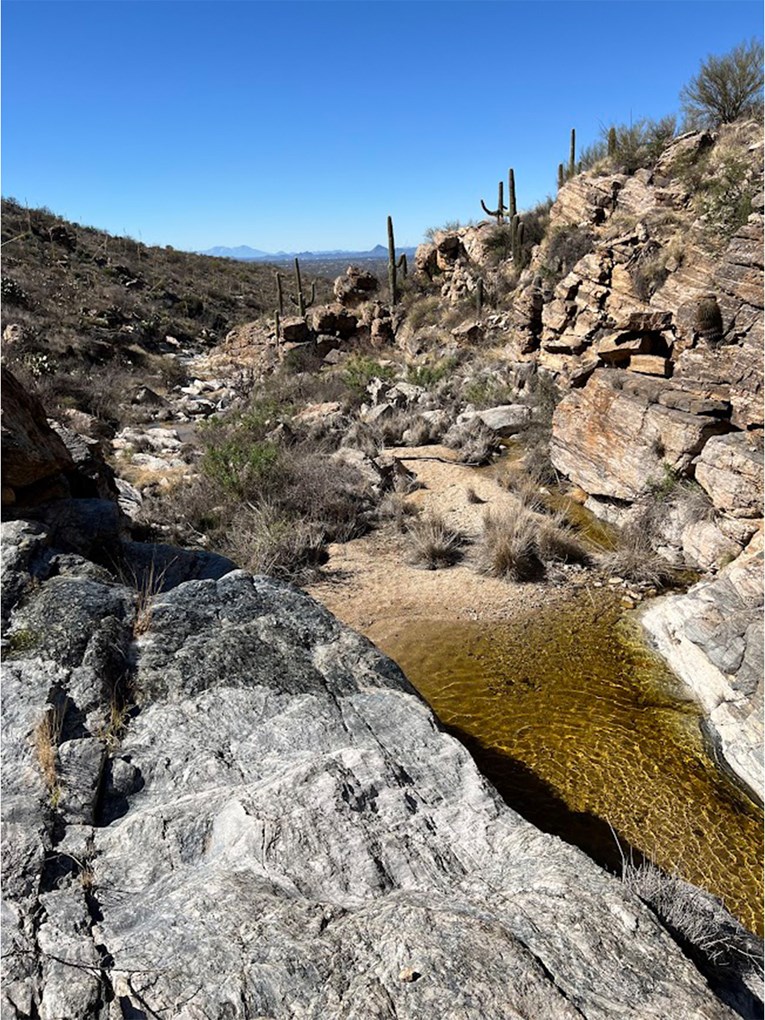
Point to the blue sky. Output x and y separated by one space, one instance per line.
302 125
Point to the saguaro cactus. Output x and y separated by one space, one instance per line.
479 296
277 326
393 265
561 176
279 293
512 208
612 141
300 301
518 233
572 154
499 212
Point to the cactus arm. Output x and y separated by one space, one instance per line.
499 212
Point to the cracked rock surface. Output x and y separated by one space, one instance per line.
247 811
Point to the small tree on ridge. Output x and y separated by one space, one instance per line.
725 88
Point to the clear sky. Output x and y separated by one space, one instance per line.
302 125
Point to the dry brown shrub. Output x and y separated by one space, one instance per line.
47 736
432 543
474 442
395 509
557 542
509 548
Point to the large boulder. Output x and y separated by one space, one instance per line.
296 330
34 457
355 286
614 438
505 420
712 638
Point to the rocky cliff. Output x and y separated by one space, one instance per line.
644 302
219 802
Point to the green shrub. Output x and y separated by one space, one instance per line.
488 391
429 375
648 274
423 311
498 243
450 227
239 466
725 199
360 369
662 488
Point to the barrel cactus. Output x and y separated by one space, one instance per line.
709 321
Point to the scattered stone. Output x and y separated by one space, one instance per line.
295 330
649 364
356 286
505 420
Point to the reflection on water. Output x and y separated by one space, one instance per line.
579 725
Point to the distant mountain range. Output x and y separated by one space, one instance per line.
246 254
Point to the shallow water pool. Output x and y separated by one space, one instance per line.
584 730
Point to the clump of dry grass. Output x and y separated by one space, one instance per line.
696 504
474 443
265 540
432 543
47 736
523 487
395 509
557 542
421 432
363 437
391 429
149 585
694 916
635 560
509 546
276 521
